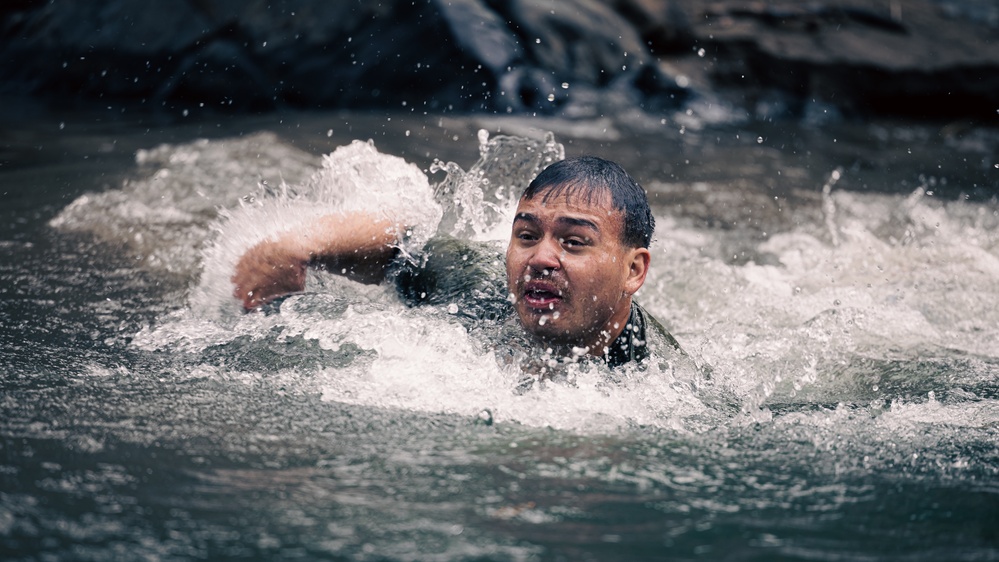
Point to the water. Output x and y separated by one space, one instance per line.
847 406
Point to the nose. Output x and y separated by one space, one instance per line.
547 255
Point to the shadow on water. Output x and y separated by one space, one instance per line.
852 409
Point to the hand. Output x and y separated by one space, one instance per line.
359 246
267 271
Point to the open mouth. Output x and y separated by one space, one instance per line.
541 296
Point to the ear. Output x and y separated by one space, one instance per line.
638 260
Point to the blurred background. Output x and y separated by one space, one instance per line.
922 59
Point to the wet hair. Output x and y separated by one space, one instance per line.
587 177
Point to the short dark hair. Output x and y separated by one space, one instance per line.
587 177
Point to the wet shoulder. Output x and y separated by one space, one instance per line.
456 273
657 336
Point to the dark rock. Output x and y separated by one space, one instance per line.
581 41
235 55
663 25
923 58
111 50
480 32
903 57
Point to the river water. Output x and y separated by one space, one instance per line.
835 284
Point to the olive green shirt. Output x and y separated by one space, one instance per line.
470 279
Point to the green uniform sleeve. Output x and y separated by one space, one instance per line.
449 271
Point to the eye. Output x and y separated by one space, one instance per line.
573 242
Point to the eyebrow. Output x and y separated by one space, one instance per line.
571 221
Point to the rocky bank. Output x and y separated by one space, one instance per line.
917 58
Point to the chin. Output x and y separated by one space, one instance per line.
552 333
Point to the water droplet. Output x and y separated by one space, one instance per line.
452 308
551 97
329 133
759 140
700 52
485 417
565 85
538 41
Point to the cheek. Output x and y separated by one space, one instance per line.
514 269
601 278
511 260
599 267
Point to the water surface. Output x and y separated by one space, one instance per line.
834 282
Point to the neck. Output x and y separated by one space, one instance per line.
614 327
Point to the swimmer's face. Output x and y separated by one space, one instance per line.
570 274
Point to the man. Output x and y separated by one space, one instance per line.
578 252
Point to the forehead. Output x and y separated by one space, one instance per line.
572 198
572 210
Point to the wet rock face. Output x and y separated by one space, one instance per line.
919 58
912 56
434 54
234 55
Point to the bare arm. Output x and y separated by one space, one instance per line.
359 246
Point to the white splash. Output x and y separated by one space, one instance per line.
829 316
352 178
817 318
161 217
